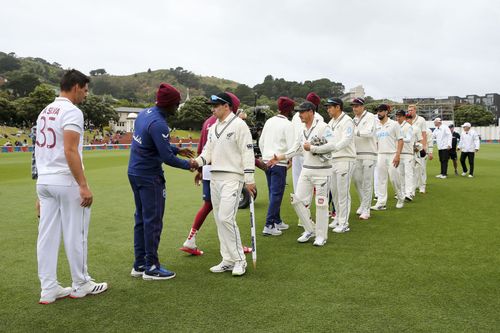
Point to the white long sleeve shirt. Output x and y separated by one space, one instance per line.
365 139
408 138
313 165
343 138
277 137
442 137
469 141
229 149
298 125
388 135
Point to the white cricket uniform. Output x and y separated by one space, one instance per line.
366 158
314 175
388 135
229 149
420 171
298 160
59 196
469 141
407 160
343 157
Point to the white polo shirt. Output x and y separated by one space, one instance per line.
276 138
469 141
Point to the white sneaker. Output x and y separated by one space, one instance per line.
341 229
137 272
444 176
470 176
222 267
239 268
51 297
190 243
439 176
333 224
364 216
464 174
319 241
421 190
359 211
89 288
305 237
271 231
281 226
400 204
378 207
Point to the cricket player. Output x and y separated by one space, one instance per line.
298 127
343 157
203 177
229 150
469 145
315 142
421 158
420 125
407 164
365 124
149 150
390 145
453 151
442 137
277 137
63 191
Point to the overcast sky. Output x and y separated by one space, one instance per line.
394 48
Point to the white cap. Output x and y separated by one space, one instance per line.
466 125
437 119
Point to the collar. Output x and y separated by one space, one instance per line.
59 98
228 118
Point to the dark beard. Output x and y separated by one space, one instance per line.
380 117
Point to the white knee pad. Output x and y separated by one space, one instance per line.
302 212
322 216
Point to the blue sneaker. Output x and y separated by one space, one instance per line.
137 271
157 273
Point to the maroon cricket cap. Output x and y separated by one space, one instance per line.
235 102
313 98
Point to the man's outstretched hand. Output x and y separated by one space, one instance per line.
186 152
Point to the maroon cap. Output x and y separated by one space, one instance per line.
235 101
285 104
313 98
167 96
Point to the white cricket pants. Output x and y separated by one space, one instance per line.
363 181
385 168
420 173
406 170
225 199
340 183
60 211
301 200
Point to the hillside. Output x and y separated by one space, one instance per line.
136 88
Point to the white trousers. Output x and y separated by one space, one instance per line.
385 168
363 181
420 173
375 180
406 170
340 183
301 200
60 212
297 162
225 198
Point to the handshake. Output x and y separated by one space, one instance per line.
193 165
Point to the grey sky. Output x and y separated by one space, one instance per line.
393 48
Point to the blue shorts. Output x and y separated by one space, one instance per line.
206 190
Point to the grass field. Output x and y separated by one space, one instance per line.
433 266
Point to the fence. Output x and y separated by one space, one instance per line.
26 149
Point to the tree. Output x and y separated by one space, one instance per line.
8 63
22 83
96 72
28 108
192 114
245 94
477 115
7 111
97 111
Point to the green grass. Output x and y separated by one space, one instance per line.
433 266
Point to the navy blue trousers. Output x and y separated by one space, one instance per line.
149 197
276 181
